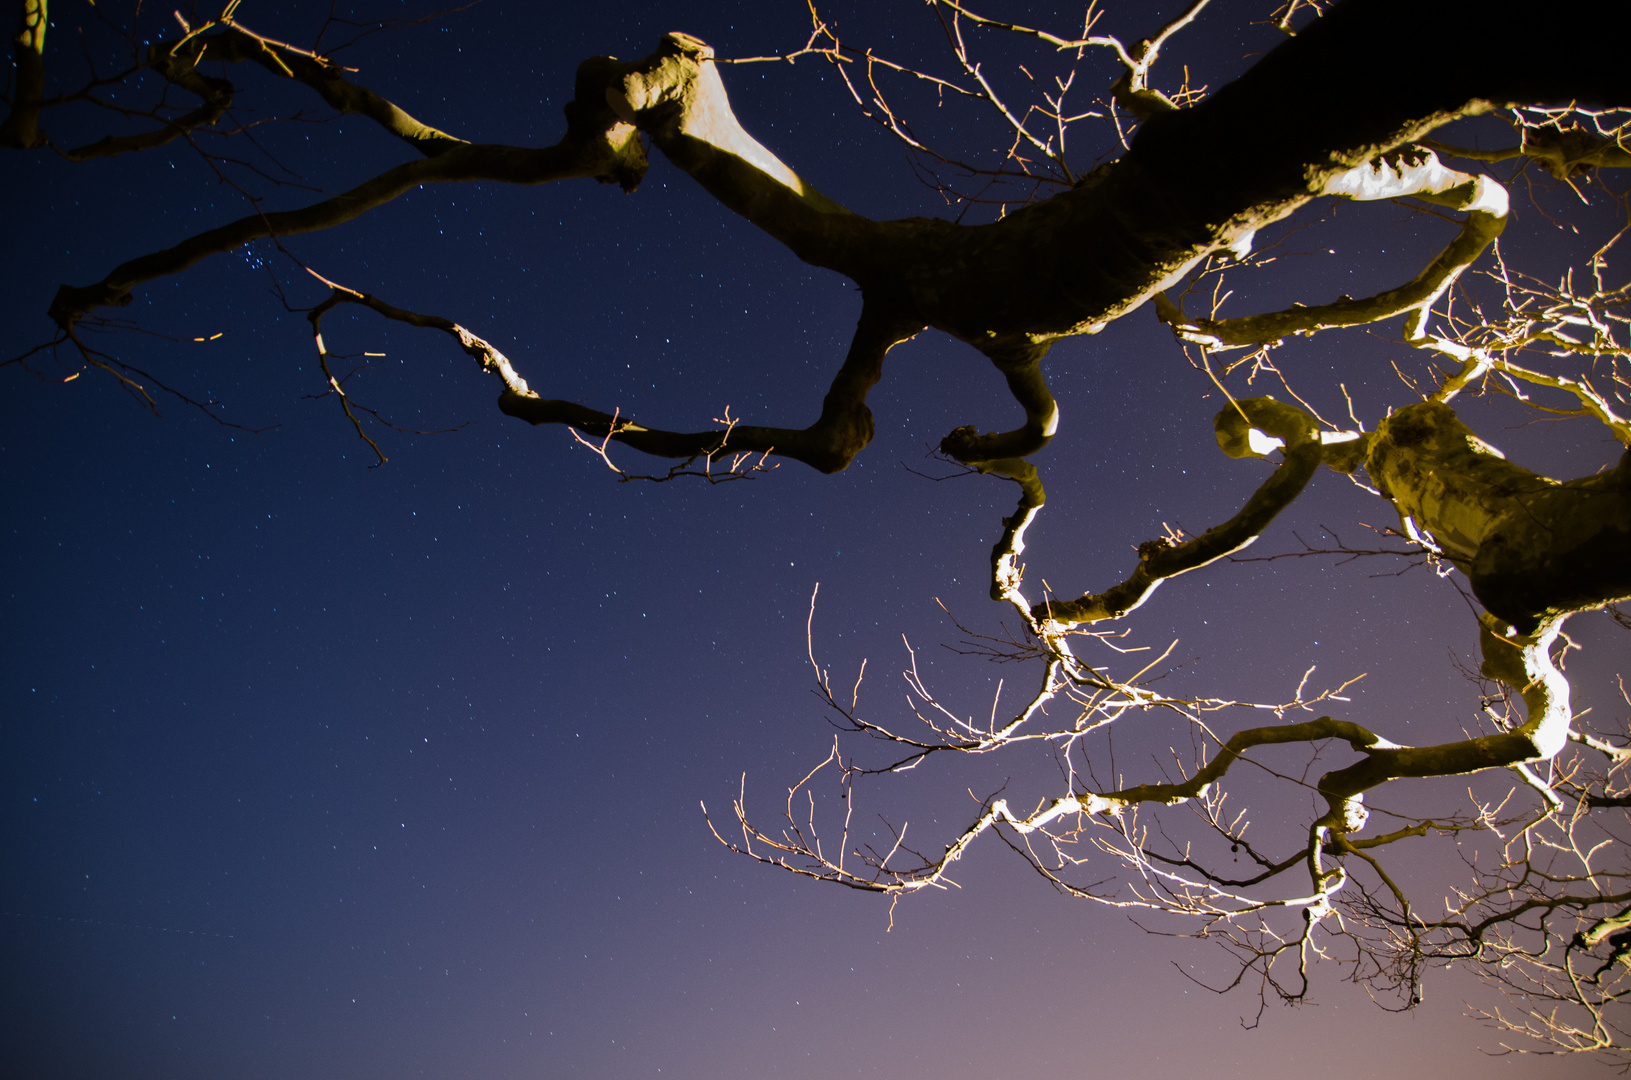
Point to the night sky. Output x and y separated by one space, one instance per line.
316 769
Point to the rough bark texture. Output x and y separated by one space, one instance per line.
1533 548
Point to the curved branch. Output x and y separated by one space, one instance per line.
844 428
1022 367
1006 569
1162 559
477 348
1196 786
1389 177
1477 362
177 63
237 43
1075 262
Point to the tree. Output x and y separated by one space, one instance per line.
1158 224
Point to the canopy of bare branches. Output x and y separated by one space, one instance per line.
1123 185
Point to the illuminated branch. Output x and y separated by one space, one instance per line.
1066 266
236 43
1200 179
1023 372
1418 174
1159 560
21 128
1558 141
1476 363
1133 91
1533 549
842 431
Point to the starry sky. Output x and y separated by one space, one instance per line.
316 769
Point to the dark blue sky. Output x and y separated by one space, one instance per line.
312 769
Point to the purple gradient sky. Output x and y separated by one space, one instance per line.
311 769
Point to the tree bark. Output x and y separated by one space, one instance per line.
1532 548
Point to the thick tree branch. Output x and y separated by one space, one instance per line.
1532 548
1300 121
676 97
1162 559
21 128
1022 368
1417 174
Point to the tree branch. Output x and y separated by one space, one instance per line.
1162 559
21 129
844 428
